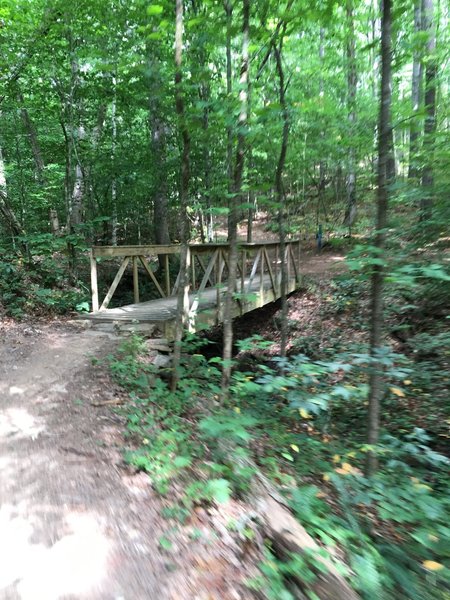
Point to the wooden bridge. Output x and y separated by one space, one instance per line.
258 282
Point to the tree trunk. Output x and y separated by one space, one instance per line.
251 193
352 81
76 203
158 153
204 93
183 291
9 217
114 224
426 204
280 193
416 100
376 386
229 16
30 130
236 201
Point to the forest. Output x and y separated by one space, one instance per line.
321 419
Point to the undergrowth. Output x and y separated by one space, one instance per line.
41 283
302 422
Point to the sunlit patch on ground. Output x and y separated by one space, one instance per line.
20 423
76 564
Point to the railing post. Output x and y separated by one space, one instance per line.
186 291
135 280
261 277
167 274
244 267
288 262
94 283
277 277
219 284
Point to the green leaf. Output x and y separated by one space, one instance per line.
155 9
219 489
182 461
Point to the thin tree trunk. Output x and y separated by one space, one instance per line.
114 224
77 199
322 165
229 16
183 293
416 93
158 153
280 194
205 96
30 130
251 194
376 381
9 217
236 201
39 163
352 81
426 204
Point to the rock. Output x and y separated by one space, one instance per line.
161 361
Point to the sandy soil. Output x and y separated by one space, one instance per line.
73 523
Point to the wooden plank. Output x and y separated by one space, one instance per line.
287 258
202 264
152 276
269 267
135 280
294 262
94 282
208 271
175 285
115 283
254 269
219 284
243 269
186 301
167 273
197 297
154 250
261 275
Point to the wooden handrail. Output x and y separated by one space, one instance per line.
157 250
254 262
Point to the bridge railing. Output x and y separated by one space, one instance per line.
258 270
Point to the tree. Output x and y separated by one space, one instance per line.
376 388
430 108
416 93
236 200
352 80
183 290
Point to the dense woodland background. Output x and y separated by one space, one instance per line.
137 122
91 139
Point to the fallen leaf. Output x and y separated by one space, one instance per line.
398 392
432 565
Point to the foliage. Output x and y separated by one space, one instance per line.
298 419
42 284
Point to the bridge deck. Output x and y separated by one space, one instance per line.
163 311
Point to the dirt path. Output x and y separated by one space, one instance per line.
73 522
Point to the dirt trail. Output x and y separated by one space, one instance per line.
73 523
